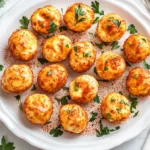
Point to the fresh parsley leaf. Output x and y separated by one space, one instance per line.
133 102
48 36
33 88
96 99
100 46
42 60
146 65
67 45
1 67
144 40
49 73
56 132
108 116
120 92
63 100
18 97
79 12
123 102
136 114
65 88
95 71
52 28
6 146
96 20
68 111
2 3
96 9
115 45
105 68
127 63
62 28
76 88
93 117
116 22
24 22
132 29
48 122
75 49
86 55
135 76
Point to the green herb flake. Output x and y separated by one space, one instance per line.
67 45
118 127
24 22
116 22
108 116
127 63
1 67
105 68
76 88
75 49
62 28
134 103
135 76
115 45
18 97
93 117
96 20
132 29
33 88
86 55
48 122
56 132
120 92
136 114
95 71
63 100
52 28
2 3
65 88
144 40
118 110
49 73
112 100
68 111
96 9
96 99
100 46
146 65
6 145
42 60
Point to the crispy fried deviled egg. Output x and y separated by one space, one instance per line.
17 78
23 45
115 108
111 27
79 17
110 66
57 48
136 48
52 78
73 118
38 108
82 56
46 19
83 89
138 82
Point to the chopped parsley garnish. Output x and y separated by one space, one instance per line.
96 20
96 99
103 80
127 63
24 22
20 106
62 28
136 114
135 76
90 33
100 46
18 97
63 100
67 45
52 28
49 73
75 49
123 102
1 67
118 110
120 92
65 88
76 88
93 117
86 55
105 68
95 71
132 29
2 3
133 102
42 60
115 45
56 132
96 9
104 130
146 65
108 116
116 22
33 88
6 146
48 36
112 100
79 12
48 122
68 111
144 40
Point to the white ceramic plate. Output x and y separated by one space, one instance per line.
16 121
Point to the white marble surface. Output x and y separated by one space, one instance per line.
134 144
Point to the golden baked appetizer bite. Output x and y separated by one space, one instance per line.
115 108
73 118
111 27
17 78
23 45
138 82
38 108
83 89
46 19
79 17
82 56
57 48
136 48
110 66
52 78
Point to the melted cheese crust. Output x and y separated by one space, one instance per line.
57 48
73 118
115 108
136 48
38 108
17 78
138 82
70 20
52 78
110 66
83 89
107 30
23 45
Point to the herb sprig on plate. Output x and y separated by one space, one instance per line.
24 21
56 132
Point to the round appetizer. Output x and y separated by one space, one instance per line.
115 108
38 108
111 27
23 45
136 48
17 78
83 89
73 118
138 82
110 66
57 48
52 78
82 56
79 17
46 19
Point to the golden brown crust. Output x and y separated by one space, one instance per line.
52 78
136 48
107 31
138 82
69 18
